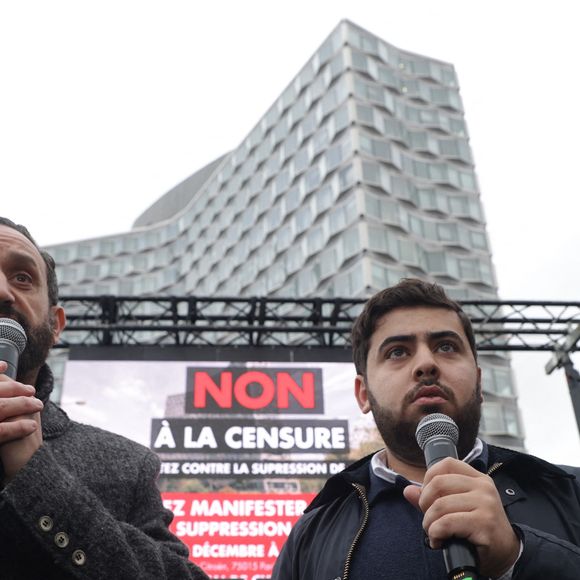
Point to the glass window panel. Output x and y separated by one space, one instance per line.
321 139
341 118
329 262
387 77
478 240
308 125
301 161
457 127
337 220
284 237
492 418
281 182
447 232
371 173
409 252
470 270
416 225
365 114
346 177
324 198
351 242
503 382
274 217
373 206
292 199
467 181
336 65
303 218
359 61
315 240
511 421
333 157
312 178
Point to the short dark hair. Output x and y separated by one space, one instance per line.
408 292
51 280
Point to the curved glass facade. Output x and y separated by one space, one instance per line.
360 173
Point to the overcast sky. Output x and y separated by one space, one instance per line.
106 105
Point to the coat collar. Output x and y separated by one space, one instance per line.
54 420
513 462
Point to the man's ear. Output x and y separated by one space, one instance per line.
361 393
479 384
58 322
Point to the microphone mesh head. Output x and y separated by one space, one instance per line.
12 331
436 424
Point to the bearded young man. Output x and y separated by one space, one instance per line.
75 501
387 516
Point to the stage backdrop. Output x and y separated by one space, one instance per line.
244 446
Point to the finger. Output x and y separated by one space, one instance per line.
412 494
450 484
12 430
16 406
452 504
458 525
11 388
449 466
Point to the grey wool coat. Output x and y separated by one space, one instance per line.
86 506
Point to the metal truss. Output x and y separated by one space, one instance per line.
324 322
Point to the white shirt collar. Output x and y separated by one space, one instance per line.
380 469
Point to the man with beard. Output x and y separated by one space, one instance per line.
387 516
75 501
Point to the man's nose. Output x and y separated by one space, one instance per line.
425 365
6 294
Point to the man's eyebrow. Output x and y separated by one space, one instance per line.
444 334
396 338
23 260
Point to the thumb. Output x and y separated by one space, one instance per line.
412 494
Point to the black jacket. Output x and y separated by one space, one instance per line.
540 499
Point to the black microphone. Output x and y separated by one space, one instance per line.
12 343
437 435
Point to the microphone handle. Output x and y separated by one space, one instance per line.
9 353
459 555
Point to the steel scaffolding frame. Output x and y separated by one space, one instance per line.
265 321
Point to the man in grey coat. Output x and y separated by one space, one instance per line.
75 501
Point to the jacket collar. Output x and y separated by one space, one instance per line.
44 383
341 483
512 461
54 420
528 465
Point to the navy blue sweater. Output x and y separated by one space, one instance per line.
397 550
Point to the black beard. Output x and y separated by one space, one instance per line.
38 344
399 434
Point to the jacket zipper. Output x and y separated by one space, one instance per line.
361 492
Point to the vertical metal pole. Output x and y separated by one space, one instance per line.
573 379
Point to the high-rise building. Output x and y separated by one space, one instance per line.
359 174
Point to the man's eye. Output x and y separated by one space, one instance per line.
396 353
23 278
447 347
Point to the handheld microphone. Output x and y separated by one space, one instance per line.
12 343
437 435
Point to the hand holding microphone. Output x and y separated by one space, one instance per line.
12 344
20 429
462 509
